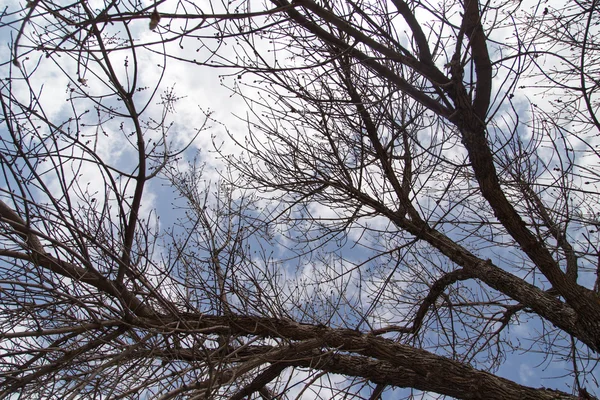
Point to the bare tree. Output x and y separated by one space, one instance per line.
400 204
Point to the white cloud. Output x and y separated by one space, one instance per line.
526 373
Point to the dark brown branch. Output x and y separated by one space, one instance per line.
260 381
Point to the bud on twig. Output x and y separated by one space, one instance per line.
154 19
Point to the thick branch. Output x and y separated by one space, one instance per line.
377 359
469 118
457 383
481 58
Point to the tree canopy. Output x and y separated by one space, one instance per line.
375 199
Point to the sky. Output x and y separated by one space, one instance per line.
205 117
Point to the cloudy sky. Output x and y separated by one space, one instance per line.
205 117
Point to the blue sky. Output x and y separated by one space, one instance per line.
209 115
